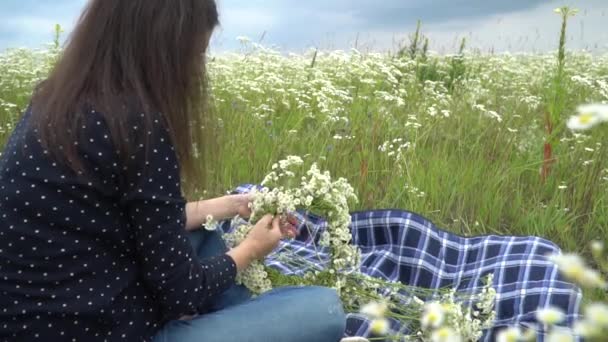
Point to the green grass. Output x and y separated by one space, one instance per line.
478 177
472 172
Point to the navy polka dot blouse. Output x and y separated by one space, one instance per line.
101 257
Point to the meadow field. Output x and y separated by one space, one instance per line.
461 139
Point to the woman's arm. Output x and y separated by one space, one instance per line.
220 208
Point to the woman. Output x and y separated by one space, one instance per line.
97 241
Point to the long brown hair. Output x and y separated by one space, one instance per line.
123 56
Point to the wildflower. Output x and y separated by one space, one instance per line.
570 264
374 309
598 110
573 267
380 326
597 247
511 334
592 279
597 314
445 334
550 315
493 114
433 316
566 11
529 335
586 329
588 116
560 335
583 122
210 223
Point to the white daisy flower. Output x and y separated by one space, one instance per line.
210 223
583 122
551 315
512 334
445 334
599 110
380 326
374 309
560 335
597 314
433 316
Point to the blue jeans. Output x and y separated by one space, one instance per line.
294 314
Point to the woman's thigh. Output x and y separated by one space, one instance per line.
208 244
295 314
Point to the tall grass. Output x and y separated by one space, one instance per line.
459 138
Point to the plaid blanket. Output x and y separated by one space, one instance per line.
402 246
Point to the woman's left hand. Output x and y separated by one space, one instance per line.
240 204
220 208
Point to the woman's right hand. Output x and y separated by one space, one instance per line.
264 237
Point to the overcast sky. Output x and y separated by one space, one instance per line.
295 25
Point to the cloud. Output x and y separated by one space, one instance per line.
381 24
401 13
31 23
532 30
299 24
329 24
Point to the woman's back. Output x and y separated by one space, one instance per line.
68 262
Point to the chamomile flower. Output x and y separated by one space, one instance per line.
592 279
380 326
597 247
433 315
566 11
529 335
586 329
210 223
374 309
560 335
583 122
597 314
445 334
550 315
511 334
574 268
598 110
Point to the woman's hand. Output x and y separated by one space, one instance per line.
221 208
263 238
239 204
288 226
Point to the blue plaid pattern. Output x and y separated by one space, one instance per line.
403 246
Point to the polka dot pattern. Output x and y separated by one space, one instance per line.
98 256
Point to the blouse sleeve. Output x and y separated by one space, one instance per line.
152 199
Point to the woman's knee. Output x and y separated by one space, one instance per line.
326 310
